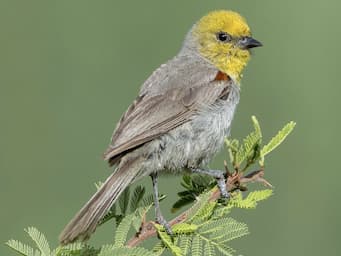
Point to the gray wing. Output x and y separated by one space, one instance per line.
162 108
152 116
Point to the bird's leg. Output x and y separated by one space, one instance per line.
159 217
219 175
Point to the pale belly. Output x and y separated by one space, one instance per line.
193 144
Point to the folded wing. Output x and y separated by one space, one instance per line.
150 117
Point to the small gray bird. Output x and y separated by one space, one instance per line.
179 119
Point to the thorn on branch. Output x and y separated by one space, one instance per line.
256 176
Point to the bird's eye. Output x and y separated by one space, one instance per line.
223 37
243 40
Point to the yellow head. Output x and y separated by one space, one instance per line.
224 38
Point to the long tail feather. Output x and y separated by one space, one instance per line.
86 220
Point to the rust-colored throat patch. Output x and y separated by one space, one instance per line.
221 76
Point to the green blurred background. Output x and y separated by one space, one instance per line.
68 69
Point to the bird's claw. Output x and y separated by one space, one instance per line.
222 188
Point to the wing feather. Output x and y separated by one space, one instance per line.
152 116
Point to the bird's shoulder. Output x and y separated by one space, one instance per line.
179 72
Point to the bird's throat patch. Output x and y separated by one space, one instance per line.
221 76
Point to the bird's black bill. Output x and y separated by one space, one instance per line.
249 42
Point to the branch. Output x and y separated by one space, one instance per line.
234 181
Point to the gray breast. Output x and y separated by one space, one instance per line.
193 144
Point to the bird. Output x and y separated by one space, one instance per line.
179 119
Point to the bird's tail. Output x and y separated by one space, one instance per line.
86 220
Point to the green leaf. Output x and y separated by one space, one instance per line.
186 181
202 182
22 248
40 241
123 229
225 250
256 126
111 214
110 250
183 201
209 249
159 248
233 147
166 239
250 144
251 200
123 201
259 195
226 228
70 249
213 229
185 243
221 211
195 184
201 203
140 213
204 212
136 198
249 150
184 228
149 200
277 140
197 246
219 232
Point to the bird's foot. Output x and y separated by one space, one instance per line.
161 220
222 188
221 181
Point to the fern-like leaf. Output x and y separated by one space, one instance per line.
251 200
201 203
259 195
22 248
256 126
233 147
148 200
69 250
224 227
195 185
136 198
186 181
205 212
159 248
221 211
184 228
197 246
185 242
248 150
167 241
214 230
237 230
183 201
225 250
123 201
209 249
123 229
111 250
277 140
40 240
250 144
